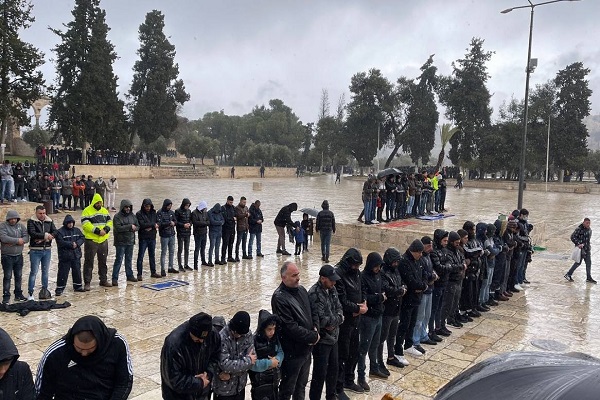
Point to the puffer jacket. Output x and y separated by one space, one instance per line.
412 276
215 216
349 286
38 233
255 215
371 286
427 269
164 218
184 216
440 258
65 238
264 379
326 312
325 220
457 261
200 222
284 216
241 215
123 223
292 306
147 221
228 213
181 359
391 282
235 361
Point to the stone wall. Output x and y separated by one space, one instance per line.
564 187
183 172
254 172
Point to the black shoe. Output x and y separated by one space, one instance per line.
464 318
204 263
209 264
482 308
247 257
363 384
278 251
429 342
231 259
20 297
383 369
188 268
342 396
196 267
259 255
455 324
374 373
58 293
353 387
236 259
492 302
394 363
163 274
173 271
79 290
445 331
181 269
590 280
285 253
474 314
569 278
420 349
433 336
526 281
155 275
5 300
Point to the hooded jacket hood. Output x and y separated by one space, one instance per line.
7 348
373 260
146 202
438 235
325 205
468 226
126 203
13 214
97 198
351 256
102 333
202 205
480 231
392 254
216 208
293 206
68 218
186 201
265 319
166 202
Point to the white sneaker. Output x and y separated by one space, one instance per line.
413 352
402 360
374 221
30 298
519 287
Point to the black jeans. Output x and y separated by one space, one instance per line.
74 266
389 327
200 248
227 245
347 352
12 265
325 370
436 321
294 376
239 396
408 318
450 300
183 244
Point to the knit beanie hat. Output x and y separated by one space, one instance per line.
240 323
416 246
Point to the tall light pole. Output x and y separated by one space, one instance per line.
529 68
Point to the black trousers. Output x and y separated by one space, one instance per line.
294 376
228 237
64 267
347 352
183 245
239 396
200 248
325 371
404 335
470 294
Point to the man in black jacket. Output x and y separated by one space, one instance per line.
165 218
327 317
228 235
200 222
291 303
442 265
147 237
255 225
410 270
326 227
353 305
16 381
125 224
69 240
41 232
581 238
90 362
283 219
183 216
189 359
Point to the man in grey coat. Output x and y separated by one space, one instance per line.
13 235
125 224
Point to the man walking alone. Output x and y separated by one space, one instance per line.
581 238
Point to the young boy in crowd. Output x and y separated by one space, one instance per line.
299 237
264 374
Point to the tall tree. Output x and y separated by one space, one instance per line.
156 92
85 103
20 81
467 102
572 106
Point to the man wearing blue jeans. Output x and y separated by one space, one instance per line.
5 176
255 221
41 232
125 224
147 237
326 227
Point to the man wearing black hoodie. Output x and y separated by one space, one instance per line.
165 218
353 305
183 215
370 322
326 227
283 219
125 224
147 237
442 265
69 240
228 212
16 381
91 361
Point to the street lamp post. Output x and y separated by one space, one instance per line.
529 68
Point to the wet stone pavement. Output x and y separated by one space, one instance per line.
550 309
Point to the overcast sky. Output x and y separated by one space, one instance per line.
233 55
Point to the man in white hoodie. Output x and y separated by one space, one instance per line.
111 190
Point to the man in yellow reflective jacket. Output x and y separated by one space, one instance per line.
96 225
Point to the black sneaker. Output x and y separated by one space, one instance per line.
590 280
363 384
163 273
260 255
569 278
420 349
285 253
353 387
5 300
383 369
433 336
455 324
394 362
20 297
188 268
278 251
374 373
429 342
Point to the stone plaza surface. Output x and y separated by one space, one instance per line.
550 308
